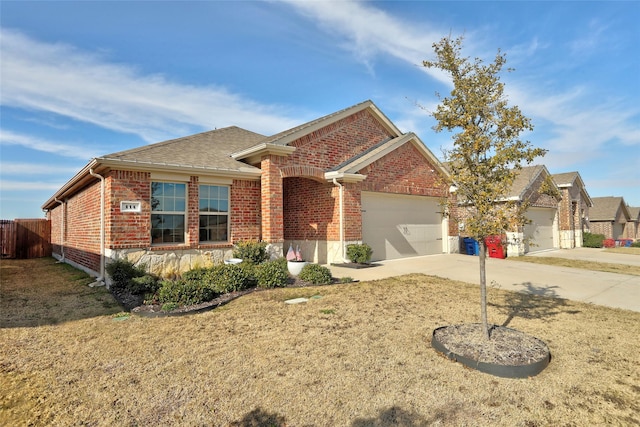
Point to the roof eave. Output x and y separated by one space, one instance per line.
255 153
344 177
99 165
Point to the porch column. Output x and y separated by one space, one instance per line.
271 201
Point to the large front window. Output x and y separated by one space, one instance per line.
168 212
214 213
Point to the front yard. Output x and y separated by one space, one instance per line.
354 355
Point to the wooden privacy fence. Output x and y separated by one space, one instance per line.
25 238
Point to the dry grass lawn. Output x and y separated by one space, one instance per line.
355 355
582 264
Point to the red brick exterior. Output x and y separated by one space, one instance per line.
81 216
292 200
245 210
311 207
126 230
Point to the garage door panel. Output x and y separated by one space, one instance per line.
397 226
539 233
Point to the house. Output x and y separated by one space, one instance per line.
573 209
632 230
533 185
609 216
348 177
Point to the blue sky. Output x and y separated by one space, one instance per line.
84 79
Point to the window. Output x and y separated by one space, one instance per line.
214 213
168 212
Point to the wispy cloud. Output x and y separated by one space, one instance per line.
54 147
64 80
370 32
568 115
31 169
6 185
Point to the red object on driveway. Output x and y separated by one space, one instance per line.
495 247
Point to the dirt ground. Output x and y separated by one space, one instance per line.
353 355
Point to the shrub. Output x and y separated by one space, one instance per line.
360 254
251 251
233 277
636 244
185 292
147 284
590 240
122 272
272 274
316 274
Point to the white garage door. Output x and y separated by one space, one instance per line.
398 226
539 233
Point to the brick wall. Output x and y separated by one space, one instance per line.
128 229
245 210
311 210
338 142
404 171
602 227
82 237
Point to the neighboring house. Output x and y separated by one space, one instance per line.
348 177
609 216
633 226
573 209
534 186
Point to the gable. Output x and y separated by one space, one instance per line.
608 209
340 141
405 170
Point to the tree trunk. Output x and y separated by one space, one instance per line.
483 287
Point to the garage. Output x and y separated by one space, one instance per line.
400 226
539 234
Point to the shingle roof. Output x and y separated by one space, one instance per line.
606 208
210 149
565 179
526 176
634 213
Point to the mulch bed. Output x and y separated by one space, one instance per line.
136 304
506 346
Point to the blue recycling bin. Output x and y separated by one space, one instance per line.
471 246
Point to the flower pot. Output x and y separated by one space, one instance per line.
233 261
295 267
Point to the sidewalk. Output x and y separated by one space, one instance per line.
608 289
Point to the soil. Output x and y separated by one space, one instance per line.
506 346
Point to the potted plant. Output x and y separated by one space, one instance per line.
295 262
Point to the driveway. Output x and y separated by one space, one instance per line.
608 289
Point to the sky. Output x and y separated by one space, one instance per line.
79 80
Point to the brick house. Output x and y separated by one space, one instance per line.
573 209
541 233
533 185
632 230
348 177
609 216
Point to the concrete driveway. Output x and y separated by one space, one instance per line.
608 289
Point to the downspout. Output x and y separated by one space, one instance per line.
100 280
342 245
62 226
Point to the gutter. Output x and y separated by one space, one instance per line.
100 280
